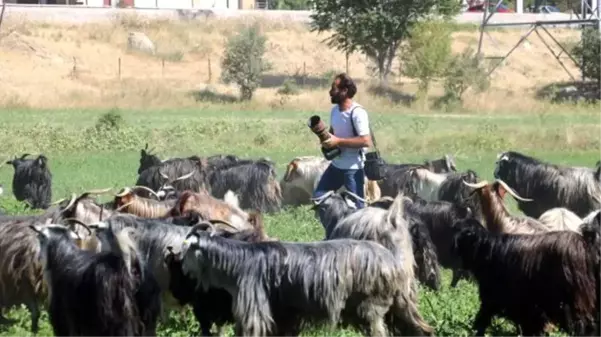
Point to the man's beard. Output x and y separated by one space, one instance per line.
337 99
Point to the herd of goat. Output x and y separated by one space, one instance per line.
190 232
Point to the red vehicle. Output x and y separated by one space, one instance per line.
491 7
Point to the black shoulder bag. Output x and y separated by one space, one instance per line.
374 165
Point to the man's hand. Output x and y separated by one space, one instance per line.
331 142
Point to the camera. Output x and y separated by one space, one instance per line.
319 128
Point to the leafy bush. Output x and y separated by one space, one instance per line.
289 87
590 54
111 120
464 71
427 53
243 61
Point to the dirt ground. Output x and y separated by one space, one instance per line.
49 65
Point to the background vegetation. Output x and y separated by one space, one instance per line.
79 95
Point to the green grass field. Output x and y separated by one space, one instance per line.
86 155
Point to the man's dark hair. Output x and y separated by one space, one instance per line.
347 83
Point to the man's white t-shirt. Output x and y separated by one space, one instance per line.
349 158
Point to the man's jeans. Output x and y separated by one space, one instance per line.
333 178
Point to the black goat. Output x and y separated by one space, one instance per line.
439 218
531 279
32 181
90 294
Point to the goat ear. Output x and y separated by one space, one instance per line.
396 211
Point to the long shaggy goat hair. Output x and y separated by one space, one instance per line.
531 279
255 183
154 176
371 223
455 191
32 181
278 287
90 294
439 218
21 277
549 185
212 306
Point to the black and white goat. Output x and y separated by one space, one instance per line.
278 287
549 185
341 219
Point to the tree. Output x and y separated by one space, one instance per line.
427 53
243 61
589 55
375 28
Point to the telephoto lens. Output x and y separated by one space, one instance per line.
319 128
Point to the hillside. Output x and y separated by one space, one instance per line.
50 65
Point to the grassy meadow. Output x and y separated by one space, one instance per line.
92 149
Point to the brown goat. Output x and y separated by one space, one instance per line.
209 207
498 219
128 202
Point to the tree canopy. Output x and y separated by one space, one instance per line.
376 28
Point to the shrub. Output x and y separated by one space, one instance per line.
243 61
590 54
427 53
111 120
464 71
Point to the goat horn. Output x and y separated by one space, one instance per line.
319 200
203 225
123 192
71 202
101 211
186 176
219 221
356 197
163 175
98 191
124 206
511 191
289 169
147 189
477 185
81 224
58 201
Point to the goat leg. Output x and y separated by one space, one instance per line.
34 310
483 319
6 321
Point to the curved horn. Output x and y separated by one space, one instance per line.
356 197
203 225
511 191
477 185
186 176
71 202
147 189
319 200
219 221
124 192
124 206
98 191
163 175
58 201
81 224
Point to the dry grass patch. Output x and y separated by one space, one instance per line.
50 65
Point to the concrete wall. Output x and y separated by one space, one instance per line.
88 13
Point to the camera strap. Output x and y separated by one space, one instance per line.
373 138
